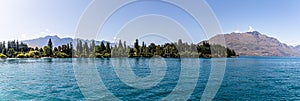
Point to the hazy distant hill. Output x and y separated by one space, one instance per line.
256 44
57 41
43 41
297 48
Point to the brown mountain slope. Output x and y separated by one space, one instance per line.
255 44
297 48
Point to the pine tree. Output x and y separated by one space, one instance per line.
86 49
17 46
108 50
50 46
79 48
125 45
120 44
102 47
136 46
92 46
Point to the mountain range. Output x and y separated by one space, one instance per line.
57 41
297 48
245 44
256 44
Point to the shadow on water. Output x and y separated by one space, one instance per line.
49 60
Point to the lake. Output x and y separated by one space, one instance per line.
245 78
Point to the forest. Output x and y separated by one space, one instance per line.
15 49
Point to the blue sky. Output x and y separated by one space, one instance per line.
276 18
27 19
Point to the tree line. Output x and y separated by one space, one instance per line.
14 49
84 49
168 50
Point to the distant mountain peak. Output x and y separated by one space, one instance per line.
254 33
43 41
56 40
53 37
255 44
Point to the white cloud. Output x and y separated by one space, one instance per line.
251 29
237 31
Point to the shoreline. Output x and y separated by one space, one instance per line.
150 57
118 57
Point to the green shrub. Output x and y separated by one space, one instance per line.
98 55
60 54
92 55
107 55
2 55
21 55
34 54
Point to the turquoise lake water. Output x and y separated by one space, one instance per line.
245 78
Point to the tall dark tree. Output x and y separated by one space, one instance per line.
180 45
125 46
79 47
86 49
71 53
136 46
3 44
108 50
67 48
143 48
102 46
92 46
50 46
1 47
120 44
17 46
8 45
